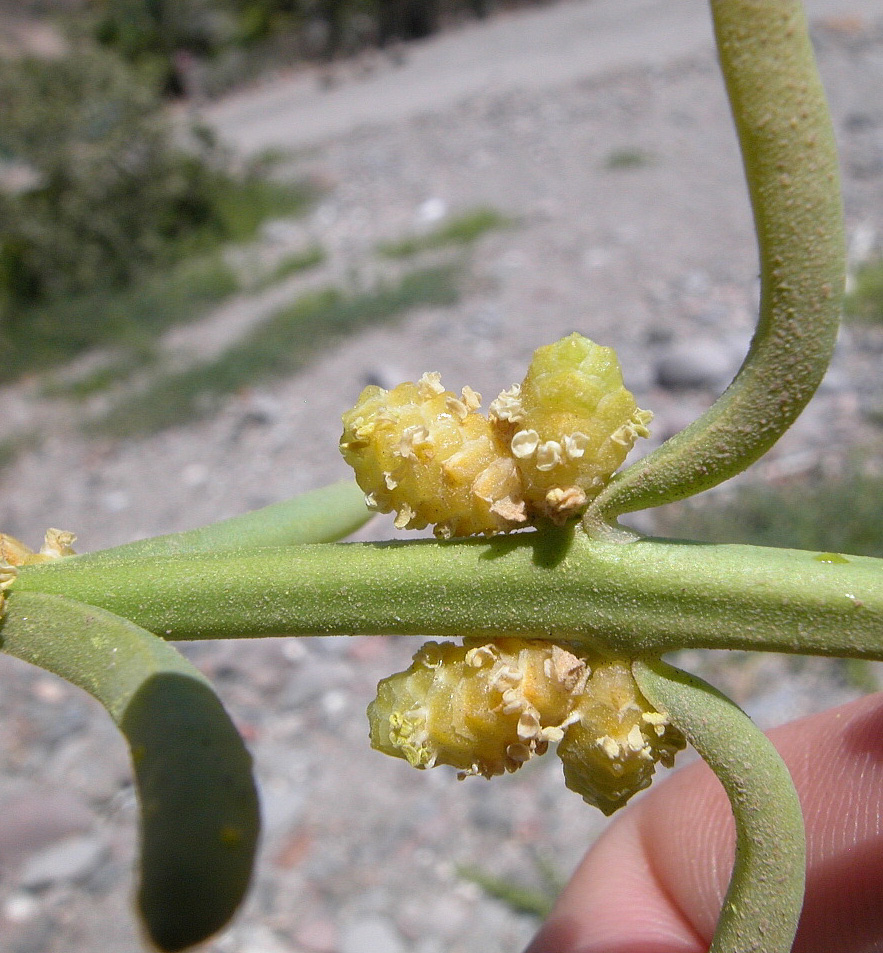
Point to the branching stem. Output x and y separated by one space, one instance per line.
636 599
790 160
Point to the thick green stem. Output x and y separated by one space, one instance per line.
790 162
641 598
321 516
762 906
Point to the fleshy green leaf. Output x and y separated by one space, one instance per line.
762 906
321 516
199 806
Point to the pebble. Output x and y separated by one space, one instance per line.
696 364
33 820
318 936
430 212
373 934
69 861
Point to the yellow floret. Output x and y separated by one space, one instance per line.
14 553
611 750
487 708
423 452
576 425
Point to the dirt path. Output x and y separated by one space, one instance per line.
533 49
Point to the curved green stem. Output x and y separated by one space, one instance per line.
199 808
641 598
762 906
321 516
791 166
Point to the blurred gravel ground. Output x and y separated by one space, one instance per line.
361 854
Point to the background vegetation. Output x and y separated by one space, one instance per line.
109 227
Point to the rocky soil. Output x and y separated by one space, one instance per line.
654 256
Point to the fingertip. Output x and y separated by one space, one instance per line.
616 902
655 881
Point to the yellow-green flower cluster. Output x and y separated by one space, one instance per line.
546 448
488 707
14 553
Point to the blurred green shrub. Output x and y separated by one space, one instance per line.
165 37
837 515
158 35
106 191
96 194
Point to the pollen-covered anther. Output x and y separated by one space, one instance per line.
513 702
657 721
509 510
498 481
529 727
628 433
430 385
610 746
471 398
524 443
519 752
635 740
457 407
404 517
575 445
482 655
414 439
562 502
504 678
507 406
566 669
549 455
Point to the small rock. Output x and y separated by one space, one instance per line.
373 934
71 860
282 806
257 938
20 907
695 364
33 820
282 231
431 211
318 936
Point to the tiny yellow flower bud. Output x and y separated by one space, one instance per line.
582 424
14 553
57 543
427 454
